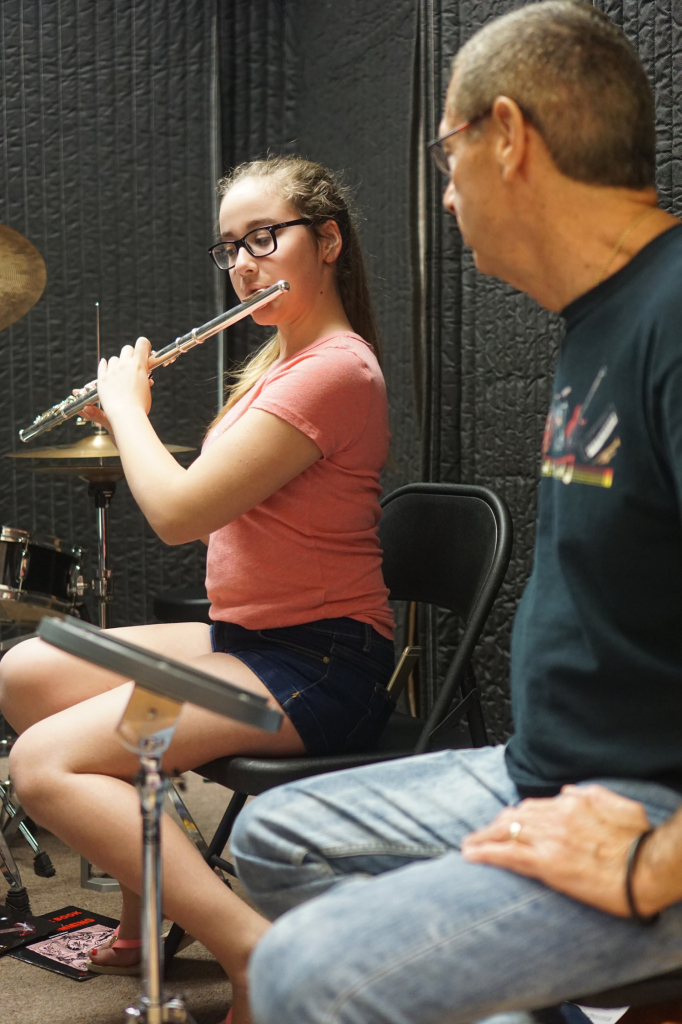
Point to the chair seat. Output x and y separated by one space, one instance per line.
190 604
254 775
663 988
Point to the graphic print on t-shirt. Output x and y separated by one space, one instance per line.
579 443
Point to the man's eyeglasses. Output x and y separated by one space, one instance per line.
435 147
259 242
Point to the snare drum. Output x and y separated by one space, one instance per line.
38 576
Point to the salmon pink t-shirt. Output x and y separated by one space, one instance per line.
311 551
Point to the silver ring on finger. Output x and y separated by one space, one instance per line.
515 830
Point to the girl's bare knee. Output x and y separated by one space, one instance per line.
32 771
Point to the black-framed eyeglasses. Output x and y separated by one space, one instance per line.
259 242
435 147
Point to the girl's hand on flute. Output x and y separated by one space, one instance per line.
123 382
95 414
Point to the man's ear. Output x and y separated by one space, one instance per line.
511 135
329 240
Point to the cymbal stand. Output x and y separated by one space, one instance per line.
13 819
103 584
146 729
103 589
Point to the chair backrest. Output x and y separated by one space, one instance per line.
447 545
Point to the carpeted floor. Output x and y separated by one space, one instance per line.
29 995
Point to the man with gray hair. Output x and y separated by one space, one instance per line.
460 884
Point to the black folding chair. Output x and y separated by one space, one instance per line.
659 990
446 545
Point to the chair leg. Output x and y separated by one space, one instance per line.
222 833
172 941
475 719
212 857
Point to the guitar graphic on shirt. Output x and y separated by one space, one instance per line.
575 450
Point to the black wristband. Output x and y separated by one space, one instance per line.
633 855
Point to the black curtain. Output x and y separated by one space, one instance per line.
468 361
106 138
489 351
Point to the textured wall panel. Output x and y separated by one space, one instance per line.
354 115
331 81
469 362
106 135
492 350
259 82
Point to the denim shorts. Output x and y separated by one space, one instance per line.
329 676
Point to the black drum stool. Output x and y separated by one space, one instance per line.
190 604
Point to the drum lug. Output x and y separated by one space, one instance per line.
78 587
24 564
103 585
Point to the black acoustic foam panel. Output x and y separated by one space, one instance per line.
469 361
106 134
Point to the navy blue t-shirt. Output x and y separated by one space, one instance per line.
597 643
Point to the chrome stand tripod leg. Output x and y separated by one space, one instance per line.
8 865
99 883
17 897
11 821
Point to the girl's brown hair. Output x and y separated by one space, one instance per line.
315 193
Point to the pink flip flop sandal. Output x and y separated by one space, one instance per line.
115 943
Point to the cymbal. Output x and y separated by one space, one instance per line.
93 474
95 446
22 276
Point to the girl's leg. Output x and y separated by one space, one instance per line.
37 680
73 776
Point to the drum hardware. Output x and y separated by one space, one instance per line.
102 584
146 729
22 276
7 645
98 445
102 479
38 576
87 395
17 896
13 819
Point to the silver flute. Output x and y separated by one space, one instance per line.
72 405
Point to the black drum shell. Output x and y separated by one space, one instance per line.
51 568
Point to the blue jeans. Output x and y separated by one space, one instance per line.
404 931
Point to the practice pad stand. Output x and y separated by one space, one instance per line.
146 729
